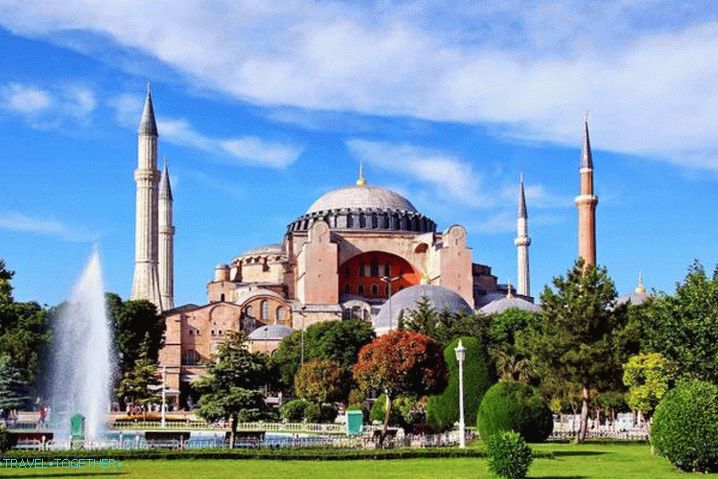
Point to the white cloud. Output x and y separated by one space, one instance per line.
48 107
249 150
15 221
643 68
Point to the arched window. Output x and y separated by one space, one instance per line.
374 221
374 269
279 314
374 290
365 270
221 297
347 272
347 289
362 220
387 270
360 290
249 311
264 310
190 358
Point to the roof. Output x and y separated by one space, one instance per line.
634 298
165 189
272 332
273 248
509 302
148 126
443 299
522 199
361 197
586 157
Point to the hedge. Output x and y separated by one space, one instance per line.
279 454
515 406
685 426
442 410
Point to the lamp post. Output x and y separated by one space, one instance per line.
388 281
460 356
164 387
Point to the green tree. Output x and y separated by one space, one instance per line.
137 329
683 327
13 385
24 331
442 410
320 381
139 385
443 327
230 389
337 341
648 377
575 339
400 363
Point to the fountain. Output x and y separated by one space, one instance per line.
81 368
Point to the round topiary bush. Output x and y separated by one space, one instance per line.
442 410
514 406
508 455
294 411
685 426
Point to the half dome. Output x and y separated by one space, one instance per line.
443 300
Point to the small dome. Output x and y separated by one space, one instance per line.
274 248
361 197
273 332
509 302
443 299
636 297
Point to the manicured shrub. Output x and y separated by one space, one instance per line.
685 426
327 413
442 410
508 455
294 411
514 406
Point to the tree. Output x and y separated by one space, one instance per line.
337 341
648 377
443 327
320 381
13 386
24 331
576 337
442 410
137 329
230 389
512 362
139 385
400 363
684 327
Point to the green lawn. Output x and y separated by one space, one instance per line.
570 461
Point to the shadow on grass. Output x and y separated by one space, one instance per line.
73 474
558 477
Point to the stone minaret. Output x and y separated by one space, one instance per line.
166 241
145 283
522 243
586 203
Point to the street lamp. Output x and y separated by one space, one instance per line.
460 356
388 280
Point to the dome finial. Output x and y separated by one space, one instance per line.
640 288
361 181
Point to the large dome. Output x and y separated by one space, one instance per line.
361 197
443 299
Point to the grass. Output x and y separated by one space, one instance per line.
593 460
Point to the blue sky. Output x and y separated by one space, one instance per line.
263 106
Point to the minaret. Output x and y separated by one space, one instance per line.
166 241
145 283
586 203
522 243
